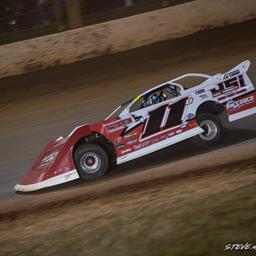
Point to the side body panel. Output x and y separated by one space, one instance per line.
166 123
236 92
152 128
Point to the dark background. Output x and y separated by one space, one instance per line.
24 19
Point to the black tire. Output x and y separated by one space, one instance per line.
213 130
91 161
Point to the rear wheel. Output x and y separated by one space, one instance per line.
91 161
212 127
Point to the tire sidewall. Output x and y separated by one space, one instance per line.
217 138
91 148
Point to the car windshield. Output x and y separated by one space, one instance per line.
120 109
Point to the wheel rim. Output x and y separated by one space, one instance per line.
210 130
90 162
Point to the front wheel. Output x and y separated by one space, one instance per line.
213 130
91 161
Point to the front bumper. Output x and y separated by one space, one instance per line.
62 178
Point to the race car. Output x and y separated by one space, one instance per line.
157 118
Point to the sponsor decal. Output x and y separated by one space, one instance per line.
170 134
231 74
131 128
131 142
127 136
136 147
126 151
228 86
163 137
189 101
190 116
121 146
231 94
178 131
231 104
225 76
145 143
234 73
142 145
154 141
203 96
117 125
118 139
200 91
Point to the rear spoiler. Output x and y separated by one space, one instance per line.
241 68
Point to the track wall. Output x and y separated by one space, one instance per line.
121 35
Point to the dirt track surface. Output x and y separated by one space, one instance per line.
37 107
193 214
167 173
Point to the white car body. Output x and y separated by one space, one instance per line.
233 90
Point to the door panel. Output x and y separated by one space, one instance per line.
155 127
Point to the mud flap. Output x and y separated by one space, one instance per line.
241 106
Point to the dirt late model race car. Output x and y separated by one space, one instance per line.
159 117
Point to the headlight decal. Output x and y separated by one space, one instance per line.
48 159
